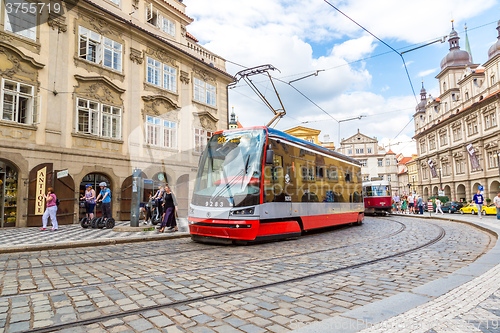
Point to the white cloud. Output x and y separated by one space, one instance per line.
285 33
427 72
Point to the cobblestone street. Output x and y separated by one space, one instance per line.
177 285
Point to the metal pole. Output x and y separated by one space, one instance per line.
136 197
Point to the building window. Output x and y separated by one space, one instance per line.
388 178
387 161
161 133
116 2
472 127
98 119
466 95
22 18
161 75
380 162
201 138
425 173
432 143
446 169
100 50
366 178
454 97
360 151
363 162
444 87
490 120
457 133
492 79
204 92
310 140
443 139
18 103
368 150
349 152
423 147
459 167
168 26
493 159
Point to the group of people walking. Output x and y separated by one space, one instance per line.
411 204
166 203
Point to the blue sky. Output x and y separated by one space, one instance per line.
300 37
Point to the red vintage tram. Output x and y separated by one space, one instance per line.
377 197
259 183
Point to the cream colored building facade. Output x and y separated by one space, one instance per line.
460 127
106 88
376 162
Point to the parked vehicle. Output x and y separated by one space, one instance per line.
451 207
491 209
469 209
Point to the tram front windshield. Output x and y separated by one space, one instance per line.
229 170
378 191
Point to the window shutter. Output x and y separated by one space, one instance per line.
35 115
149 12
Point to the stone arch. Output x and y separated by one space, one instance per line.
9 185
447 191
474 188
426 193
461 193
494 189
435 191
182 194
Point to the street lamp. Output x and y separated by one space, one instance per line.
340 121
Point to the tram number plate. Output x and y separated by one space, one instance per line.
288 198
214 204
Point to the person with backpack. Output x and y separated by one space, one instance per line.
106 200
51 210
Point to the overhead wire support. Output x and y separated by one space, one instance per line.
380 40
263 69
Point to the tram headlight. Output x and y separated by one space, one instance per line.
246 211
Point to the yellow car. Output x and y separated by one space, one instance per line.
469 209
491 209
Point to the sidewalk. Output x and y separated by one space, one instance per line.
466 301
73 235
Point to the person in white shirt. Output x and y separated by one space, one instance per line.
411 204
496 201
438 206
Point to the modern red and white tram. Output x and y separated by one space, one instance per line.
377 197
260 183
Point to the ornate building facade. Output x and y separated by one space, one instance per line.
97 90
376 162
457 133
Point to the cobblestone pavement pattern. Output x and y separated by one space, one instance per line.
62 286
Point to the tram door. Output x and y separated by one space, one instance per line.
274 184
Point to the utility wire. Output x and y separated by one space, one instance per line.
380 40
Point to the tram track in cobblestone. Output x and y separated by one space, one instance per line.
89 321
396 232
213 248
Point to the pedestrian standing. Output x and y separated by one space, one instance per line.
106 200
478 200
158 197
51 210
404 206
496 201
420 204
438 206
411 203
170 206
397 201
89 198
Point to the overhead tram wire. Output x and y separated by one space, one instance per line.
380 40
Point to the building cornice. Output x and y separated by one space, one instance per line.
461 113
